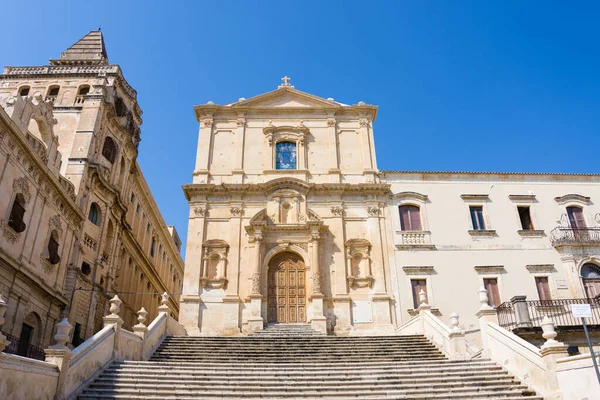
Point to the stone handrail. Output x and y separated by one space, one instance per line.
66 373
89 359
450 340
536 367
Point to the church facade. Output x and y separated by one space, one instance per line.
291 222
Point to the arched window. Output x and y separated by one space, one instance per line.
15 221
83 90
590 274
285 155
410 218
53 256
120 107
53 92
94 215
109 150
576 218
86 268
24 91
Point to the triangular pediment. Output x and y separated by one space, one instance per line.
286 97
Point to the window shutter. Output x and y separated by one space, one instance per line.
417 286
576 218
543 288
491 285
415 218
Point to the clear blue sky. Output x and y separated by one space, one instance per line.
461 85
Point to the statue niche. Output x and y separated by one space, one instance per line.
358 263
214 264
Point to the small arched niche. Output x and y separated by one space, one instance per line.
358 263
214 264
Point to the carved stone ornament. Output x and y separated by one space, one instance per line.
54 224
21 186
208 122
256 283
316 282
9 234
363 122
331 122
241 123
200 211
337 211
46 264
236 211
373 211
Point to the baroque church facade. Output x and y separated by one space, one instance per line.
78 222
291 221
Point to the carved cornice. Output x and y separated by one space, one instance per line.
536 268
572 198
421 198
418 270
475 197
489 269
203 189
525 198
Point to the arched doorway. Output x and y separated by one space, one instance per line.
590 274
286 297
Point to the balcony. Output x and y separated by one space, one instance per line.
561 237
522 317
24 350
414 240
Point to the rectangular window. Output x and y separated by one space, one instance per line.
477 218
137 209
410 218
417 286
525 217
543 288
491 285
15 220
132 198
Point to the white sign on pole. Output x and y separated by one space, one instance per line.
581 310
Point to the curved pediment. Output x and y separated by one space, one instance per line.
286 183
572 198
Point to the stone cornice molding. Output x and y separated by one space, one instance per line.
489 269
573 198
418 270
475 197
536 268
523 198
203 189
62 189
414 196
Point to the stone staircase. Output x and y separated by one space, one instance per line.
294 362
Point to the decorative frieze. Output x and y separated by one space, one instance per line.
373 211
55 224
20 185
236 211
337 211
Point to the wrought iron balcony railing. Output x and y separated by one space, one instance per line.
575 237
29 351
520 314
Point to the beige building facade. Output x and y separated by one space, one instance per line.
291 221
79 223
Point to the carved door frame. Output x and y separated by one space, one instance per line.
286 289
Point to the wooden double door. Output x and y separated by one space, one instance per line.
287 289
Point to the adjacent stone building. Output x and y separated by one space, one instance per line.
78 221
291 221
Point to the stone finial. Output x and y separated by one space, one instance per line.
115 305
142 316
454 322
549 332
483 299
164 307
63 329
3 308
422 297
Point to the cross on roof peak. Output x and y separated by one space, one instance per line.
286 82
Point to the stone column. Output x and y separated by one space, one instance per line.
485 314
60 355
519 304
255 321
334 163
318 321
189 314
551 351
238 169
342 303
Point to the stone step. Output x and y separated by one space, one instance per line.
458 393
